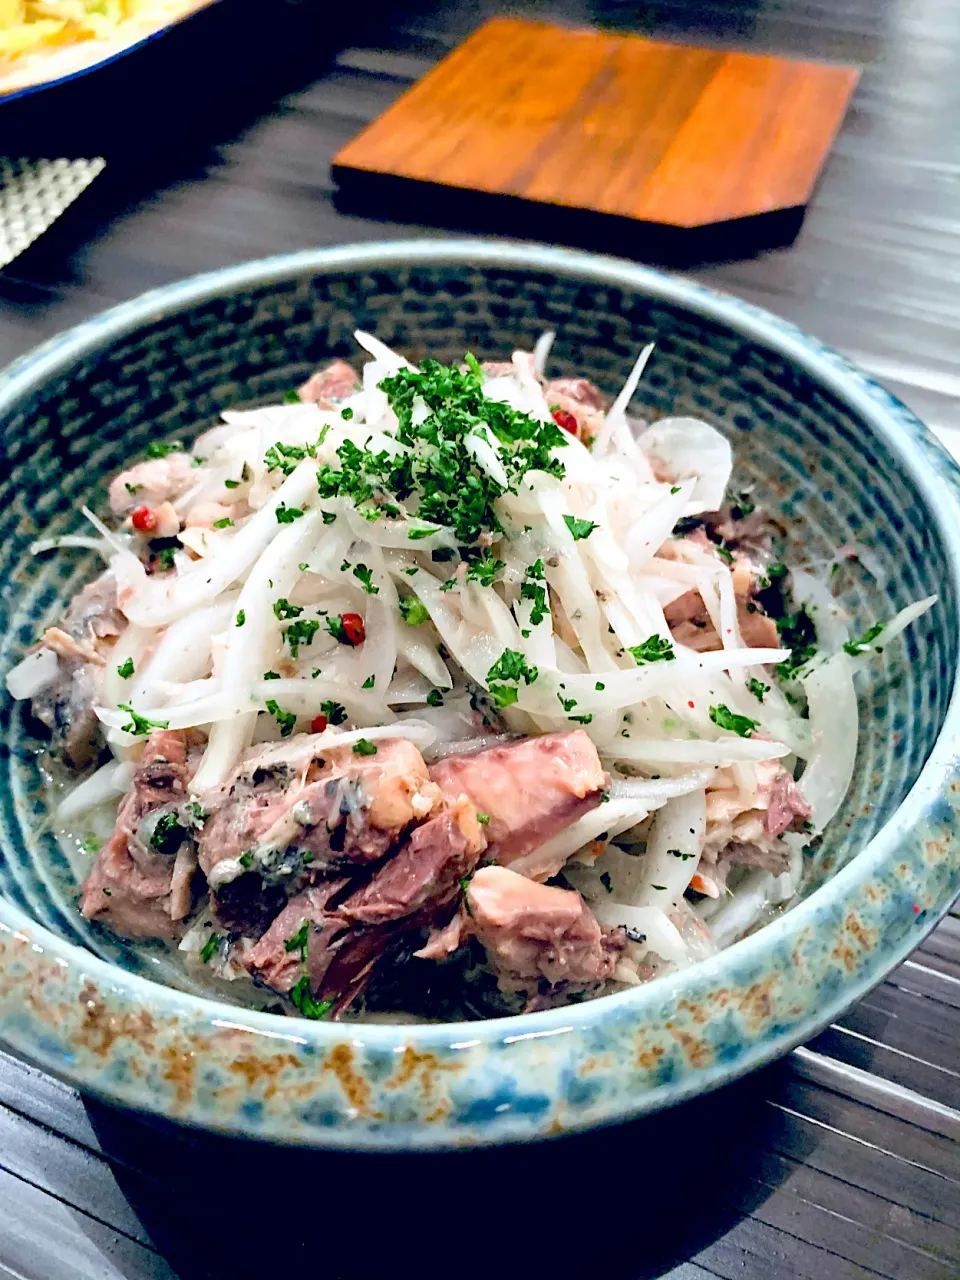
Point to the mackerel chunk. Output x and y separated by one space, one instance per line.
141 883
283 818
530 791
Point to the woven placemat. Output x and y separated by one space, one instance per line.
34 193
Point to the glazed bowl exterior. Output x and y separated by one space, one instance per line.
823 446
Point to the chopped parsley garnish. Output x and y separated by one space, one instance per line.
567 703
438 471
533 589
125 669
724 718
168 834
285 719
579 528
606 881
225 523
271 675
91 844
140 726
757 688
246 860
581 719
655 649
301 997
504 695
198 812
241 617
157 450
284 609
369 682
365 578
346 414
299 940
484 568
674 488
291 397
300 633
328 516
744 506
210 948
483 818
287 515
413 611
165 556
855 647
724 552
133 488
364 747
335 712
434 698
797 632
512 665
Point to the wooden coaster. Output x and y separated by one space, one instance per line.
621 125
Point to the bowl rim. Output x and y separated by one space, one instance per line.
931 469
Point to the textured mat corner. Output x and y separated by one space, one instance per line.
33 194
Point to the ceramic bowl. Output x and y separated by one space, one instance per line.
828 449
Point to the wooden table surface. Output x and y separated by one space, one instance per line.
841 1161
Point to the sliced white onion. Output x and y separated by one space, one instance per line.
35 672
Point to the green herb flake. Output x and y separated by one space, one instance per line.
139 725
511 665
133 489
246 860
856 647
533 588
413 611
346 414
299 940
335 712
271 675
654 649
579 529
301 997
364 747
483 818
285 719
292 397
283 609
241 617
157 450
724 718
225 523
365 578
231 484
757 688
368 683
287 515
483 569
300 633
504 695
328 516
210 948
125 669
606 881
168 834
434 698
91 844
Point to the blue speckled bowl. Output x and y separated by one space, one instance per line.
828 448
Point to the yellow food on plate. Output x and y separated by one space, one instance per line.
40 39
